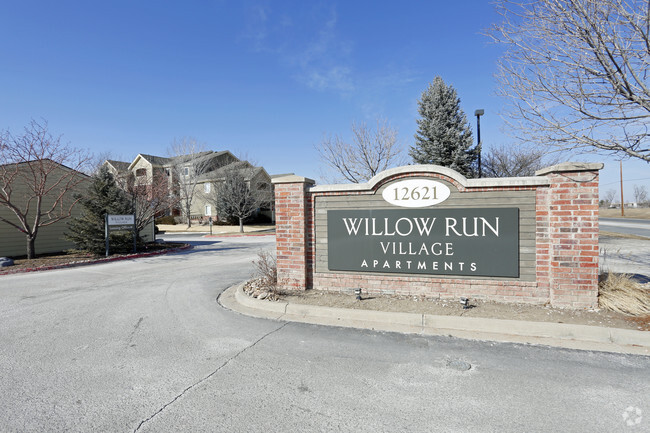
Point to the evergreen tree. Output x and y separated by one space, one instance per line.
444 136
103 197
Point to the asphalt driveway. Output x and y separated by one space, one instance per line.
142 345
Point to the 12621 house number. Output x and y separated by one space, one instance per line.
416 193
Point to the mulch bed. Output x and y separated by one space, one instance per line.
76 258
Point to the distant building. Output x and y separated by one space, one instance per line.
198 174
628 205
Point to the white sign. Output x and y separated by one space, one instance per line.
120 220
416 193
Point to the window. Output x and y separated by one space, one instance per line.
208 210
141 172
206 188
186 171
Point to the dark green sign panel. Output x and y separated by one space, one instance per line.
478 242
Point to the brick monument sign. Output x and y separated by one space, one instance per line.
426 230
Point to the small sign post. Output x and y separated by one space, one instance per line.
115 223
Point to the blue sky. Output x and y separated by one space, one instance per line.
263 79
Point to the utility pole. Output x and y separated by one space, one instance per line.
622 201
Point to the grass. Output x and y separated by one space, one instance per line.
638 213
620 293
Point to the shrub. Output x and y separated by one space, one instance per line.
266 269
166 220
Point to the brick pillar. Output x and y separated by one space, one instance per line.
292 215
572 235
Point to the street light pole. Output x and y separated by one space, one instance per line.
478 113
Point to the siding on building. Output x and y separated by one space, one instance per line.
50 239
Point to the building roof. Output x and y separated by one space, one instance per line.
19 164
120 166
156 160
245 167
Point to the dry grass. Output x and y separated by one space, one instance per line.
620 293
638 213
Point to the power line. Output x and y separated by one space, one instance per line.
626 180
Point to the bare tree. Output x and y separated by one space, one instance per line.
189 162
370 152
513 161
150 199
97 160
575 72
640 194
38 177
610 196
236 197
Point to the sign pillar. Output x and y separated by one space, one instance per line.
293 208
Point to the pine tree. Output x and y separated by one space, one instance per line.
103 197
444 136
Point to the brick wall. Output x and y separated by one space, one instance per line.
293 225
566 239
571 254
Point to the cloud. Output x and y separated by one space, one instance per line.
335 78
306 40
256 26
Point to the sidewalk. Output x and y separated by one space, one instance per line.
515 331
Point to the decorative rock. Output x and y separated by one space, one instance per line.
6 261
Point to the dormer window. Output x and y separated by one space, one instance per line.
141 172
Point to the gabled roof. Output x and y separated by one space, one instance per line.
156 160
248 170
120 166
18 165
195 157
152 159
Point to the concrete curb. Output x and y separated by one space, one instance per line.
552 334
238 235
98 261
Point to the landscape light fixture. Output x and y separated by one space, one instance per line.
478 113
465 303
358 293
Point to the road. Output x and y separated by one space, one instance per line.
629 226
143 346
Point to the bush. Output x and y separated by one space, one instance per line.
260 218
266 269
264 285
166 220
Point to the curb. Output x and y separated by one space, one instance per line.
237 235
570 336
98 261
220 235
